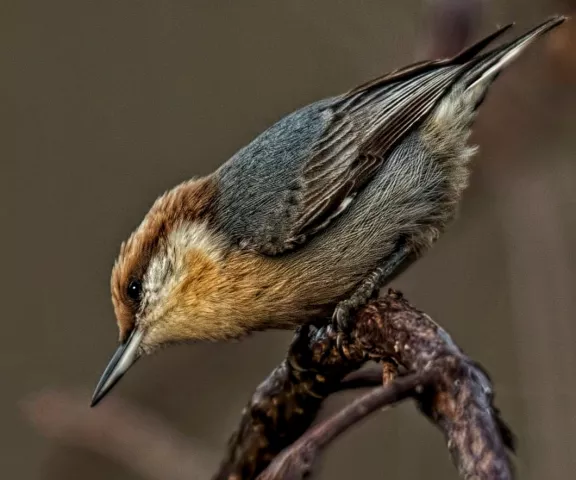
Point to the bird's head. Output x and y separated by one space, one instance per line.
168 280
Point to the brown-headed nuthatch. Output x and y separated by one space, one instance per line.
309 220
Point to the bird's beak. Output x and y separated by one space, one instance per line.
121 361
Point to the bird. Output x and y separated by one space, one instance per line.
312 218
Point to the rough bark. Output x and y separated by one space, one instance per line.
274 441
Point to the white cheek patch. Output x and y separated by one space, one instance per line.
157 278
168 268
195 235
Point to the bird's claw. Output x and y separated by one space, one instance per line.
339 336
341 321
341 317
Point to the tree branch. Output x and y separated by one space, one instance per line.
297 461
450 389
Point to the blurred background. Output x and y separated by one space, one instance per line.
106 104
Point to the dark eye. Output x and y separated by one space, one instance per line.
134 290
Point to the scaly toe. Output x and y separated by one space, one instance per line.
341 318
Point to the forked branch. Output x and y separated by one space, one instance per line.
274 440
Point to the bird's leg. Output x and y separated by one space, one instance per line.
370 286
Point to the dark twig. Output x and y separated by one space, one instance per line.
456 395
297 461
286 403
364 378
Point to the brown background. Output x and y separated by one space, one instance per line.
105 104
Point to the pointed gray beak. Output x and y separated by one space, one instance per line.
121 361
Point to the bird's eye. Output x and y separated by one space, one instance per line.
134 290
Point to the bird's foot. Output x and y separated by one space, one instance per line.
345 311
343 314
342 323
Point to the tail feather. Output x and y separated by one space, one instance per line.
470 52
485 68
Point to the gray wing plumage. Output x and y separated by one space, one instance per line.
304 171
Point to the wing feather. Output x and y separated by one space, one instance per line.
358 141
330 151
